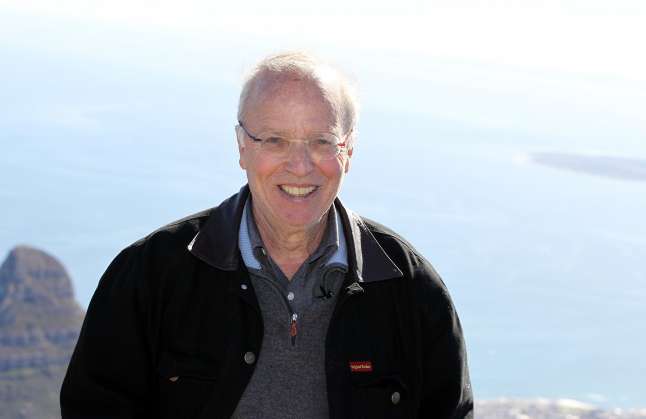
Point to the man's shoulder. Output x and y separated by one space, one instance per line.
393 243
385 235
413 264
171 238
178 230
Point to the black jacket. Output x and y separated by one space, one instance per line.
173 327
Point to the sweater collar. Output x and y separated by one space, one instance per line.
216 243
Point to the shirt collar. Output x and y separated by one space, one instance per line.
217 241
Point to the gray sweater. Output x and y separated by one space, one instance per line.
289 378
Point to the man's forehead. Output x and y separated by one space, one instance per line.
285 86
271 96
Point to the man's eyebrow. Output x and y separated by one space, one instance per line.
275 133
285 134
271 131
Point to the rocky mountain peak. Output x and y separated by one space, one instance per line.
39 324
36 294
31 276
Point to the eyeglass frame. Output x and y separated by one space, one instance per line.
342 146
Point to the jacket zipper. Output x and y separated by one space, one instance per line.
293 330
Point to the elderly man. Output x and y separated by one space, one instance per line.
280 302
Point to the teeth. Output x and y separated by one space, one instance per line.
298 191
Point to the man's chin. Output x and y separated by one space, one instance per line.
301 220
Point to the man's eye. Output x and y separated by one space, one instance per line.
275 141
322 142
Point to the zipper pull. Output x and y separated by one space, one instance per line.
354 288
293 331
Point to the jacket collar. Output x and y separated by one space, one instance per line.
216 243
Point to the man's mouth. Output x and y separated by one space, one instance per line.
298 191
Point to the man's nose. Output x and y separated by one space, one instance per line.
299 160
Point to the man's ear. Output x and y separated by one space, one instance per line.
243 157
241 149
346 167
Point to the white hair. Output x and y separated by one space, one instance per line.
335 87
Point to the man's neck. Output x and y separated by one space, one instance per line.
289 248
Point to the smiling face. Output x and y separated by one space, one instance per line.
292 193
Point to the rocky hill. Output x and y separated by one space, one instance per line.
39 325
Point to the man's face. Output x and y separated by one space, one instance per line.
293 192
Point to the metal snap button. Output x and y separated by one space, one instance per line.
173 379
290 296
395 397
249 358
243 286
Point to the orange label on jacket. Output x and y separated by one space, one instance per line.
360 366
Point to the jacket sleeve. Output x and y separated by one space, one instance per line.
109 372
446 391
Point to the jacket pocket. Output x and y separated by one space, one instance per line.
185 385
380 397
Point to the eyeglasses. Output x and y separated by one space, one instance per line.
323 146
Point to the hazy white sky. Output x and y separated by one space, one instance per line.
583 36
573 68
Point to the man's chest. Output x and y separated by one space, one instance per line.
216 339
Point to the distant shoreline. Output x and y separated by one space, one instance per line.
505 408
620 168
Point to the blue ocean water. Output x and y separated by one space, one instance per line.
546 266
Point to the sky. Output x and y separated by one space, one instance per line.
575 36
547 65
